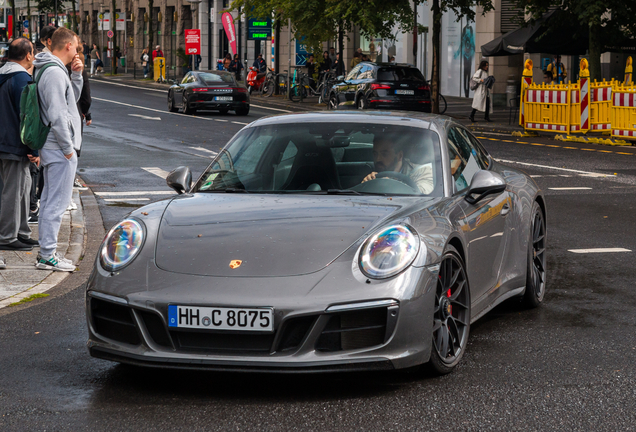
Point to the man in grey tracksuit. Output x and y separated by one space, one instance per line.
58 107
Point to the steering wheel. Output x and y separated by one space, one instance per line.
402 178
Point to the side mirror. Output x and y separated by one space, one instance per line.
180 179
340 78
484 183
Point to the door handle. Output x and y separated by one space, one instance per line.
505 209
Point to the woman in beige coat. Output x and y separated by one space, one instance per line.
481 98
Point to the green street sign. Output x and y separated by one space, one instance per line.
259 29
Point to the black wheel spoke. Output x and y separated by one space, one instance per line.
454 278
437 324
458 290
444 349
459 304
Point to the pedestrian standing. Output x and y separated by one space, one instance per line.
86 51
145 59
556 68
227 62
338 66
237 67
15 233
481 98
95 57
332 55
157 53
325 66
58 107
45 37
357 58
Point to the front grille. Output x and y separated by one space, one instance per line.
354 330
114 321
294 332
207 342
156 328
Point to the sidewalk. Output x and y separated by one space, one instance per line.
21 280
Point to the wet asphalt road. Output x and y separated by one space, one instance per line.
568 365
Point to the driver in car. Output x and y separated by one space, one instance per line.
388 156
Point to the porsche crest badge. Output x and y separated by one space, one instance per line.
235 264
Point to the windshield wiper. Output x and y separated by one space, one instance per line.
342 192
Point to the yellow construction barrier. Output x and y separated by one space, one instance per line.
623 118
628 72
547 107
601 105
525 83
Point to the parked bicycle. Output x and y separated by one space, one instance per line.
301 86
274 80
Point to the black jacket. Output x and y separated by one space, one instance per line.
11 86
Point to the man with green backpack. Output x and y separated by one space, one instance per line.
59 135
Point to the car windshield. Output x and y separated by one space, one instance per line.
328 158
400 74
211 78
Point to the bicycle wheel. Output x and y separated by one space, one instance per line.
442 104
268 88
295 93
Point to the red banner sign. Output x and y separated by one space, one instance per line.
228 25
193 41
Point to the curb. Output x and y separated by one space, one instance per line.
75 252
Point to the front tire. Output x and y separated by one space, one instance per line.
451 316
536 264
171 106
186 107
362 103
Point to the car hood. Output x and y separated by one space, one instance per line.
272 235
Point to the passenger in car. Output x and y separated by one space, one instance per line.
389 156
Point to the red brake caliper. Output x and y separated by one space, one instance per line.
448 294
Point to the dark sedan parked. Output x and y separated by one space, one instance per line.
209 90
382 85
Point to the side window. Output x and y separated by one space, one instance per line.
366 72
354 73
248 159
482 154
186 78
463 158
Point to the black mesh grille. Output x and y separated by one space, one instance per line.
294 332
202 341
354 330
114 321
155 326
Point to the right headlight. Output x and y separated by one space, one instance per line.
121 245
389 251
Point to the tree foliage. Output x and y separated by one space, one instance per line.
322 20
606 22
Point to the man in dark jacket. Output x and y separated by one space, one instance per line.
14 156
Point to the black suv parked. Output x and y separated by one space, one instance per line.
382 85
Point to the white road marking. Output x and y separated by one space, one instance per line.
134 193
492 133
165 92
145 117
584 173
499 234
241 123
126 199
213 153
156 171
570 188
599 250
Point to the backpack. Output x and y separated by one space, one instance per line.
474 84
33 131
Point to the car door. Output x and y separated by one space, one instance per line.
178 90
484 223
347 88
364 77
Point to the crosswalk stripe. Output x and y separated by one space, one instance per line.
156 171
599 250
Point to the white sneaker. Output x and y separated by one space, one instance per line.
59 258
72 206
3 263
54 263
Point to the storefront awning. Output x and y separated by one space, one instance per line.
546 35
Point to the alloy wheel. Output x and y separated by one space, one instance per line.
537 267
451 319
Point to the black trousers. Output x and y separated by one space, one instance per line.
35 174
487 115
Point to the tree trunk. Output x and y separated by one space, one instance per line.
113 27
437 29
595 52
151 39
341 45
74 27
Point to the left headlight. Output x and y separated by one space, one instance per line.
122 244
389 251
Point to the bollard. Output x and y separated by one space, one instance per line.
584 78
628 72
526 80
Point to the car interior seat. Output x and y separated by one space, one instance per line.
313 164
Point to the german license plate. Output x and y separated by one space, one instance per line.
405 92
218 318
223 98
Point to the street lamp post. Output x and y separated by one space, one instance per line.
193 8
55 13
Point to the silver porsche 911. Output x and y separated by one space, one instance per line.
321 242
